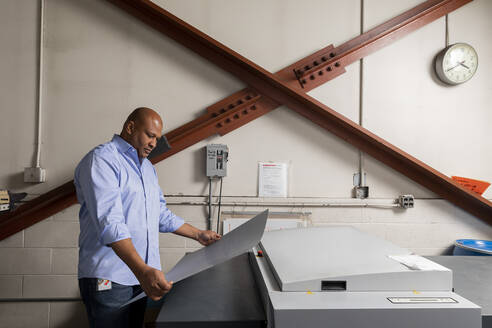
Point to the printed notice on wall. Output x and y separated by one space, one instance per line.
272 179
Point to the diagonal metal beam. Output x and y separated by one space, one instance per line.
239 108
309 73
283 93
248 104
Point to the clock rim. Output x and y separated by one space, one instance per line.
439 62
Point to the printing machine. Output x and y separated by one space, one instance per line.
341 277
320 277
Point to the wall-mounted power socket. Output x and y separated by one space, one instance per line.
361 192
34 174
406 201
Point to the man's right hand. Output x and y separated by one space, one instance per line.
154 283
151 280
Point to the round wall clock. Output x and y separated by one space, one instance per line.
457 63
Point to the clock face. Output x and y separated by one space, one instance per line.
457 63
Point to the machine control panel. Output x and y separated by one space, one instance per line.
421 300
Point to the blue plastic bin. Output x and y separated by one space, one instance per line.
472 247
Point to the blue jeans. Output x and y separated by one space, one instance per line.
103 307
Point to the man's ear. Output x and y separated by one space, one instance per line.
130 127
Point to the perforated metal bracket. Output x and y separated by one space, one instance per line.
318 69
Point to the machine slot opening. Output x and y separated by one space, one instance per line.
334 285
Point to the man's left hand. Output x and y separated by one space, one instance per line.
207 237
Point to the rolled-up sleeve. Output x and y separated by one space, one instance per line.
168 221
99 181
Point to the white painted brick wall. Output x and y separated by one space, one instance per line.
170 240
50 286
16 240
65 260
25 261
189 213
14 315
68 214
336 214
52 234
68 314
169 257
41 261
11 286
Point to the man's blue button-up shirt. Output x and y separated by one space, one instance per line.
120 198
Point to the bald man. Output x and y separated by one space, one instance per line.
122 212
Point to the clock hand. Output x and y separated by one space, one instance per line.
460 63
464 65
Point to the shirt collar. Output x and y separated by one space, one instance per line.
121 144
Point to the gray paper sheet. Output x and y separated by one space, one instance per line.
236 242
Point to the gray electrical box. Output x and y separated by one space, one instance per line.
217 160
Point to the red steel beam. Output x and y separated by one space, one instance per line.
222 117
379 36
37 209
239 109
245 105
313 70
284 93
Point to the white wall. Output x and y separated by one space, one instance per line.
101 63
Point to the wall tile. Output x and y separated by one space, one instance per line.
25 260
332 224
190 212
65 260
374 229
443 235
22 315
52 234
170 240
68 314
16 240
10 286
435 210
68 214
51 286
405 235
253 209
394 216
336 214
169 258
481 228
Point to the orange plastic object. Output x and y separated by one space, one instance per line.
474 185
